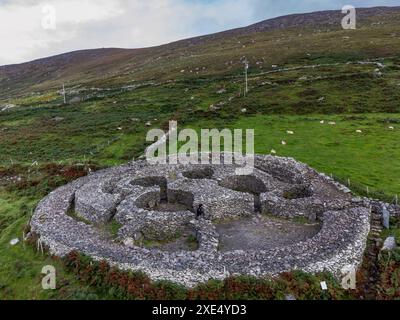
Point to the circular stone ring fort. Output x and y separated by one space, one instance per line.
283 217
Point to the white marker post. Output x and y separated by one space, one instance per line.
246 68
63 93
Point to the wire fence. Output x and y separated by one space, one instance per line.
366 191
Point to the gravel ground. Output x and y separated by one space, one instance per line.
263 232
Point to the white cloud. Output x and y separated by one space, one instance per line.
85 24
23 36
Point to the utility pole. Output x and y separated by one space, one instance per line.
63 93
246 68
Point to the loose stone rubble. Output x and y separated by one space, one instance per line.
389 244
158 202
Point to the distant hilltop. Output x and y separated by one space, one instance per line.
212 53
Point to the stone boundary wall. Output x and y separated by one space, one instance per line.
110 194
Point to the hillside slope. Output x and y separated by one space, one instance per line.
274 41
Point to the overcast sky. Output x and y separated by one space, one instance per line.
27 33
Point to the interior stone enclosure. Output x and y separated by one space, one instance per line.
158 203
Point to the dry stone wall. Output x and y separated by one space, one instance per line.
157 202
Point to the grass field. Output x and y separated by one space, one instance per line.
369 157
